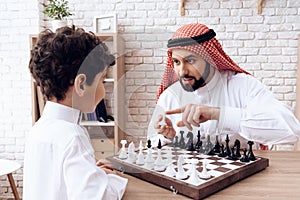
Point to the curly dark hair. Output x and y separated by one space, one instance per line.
59 56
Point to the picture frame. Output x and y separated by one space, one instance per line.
106 23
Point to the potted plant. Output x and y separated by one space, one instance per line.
58 10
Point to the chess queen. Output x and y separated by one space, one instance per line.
203 88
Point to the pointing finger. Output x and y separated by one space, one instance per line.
175 111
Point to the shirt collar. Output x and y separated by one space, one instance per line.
54 110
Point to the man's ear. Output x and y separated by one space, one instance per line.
79 84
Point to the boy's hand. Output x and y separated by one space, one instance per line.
106 166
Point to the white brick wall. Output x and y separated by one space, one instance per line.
265 45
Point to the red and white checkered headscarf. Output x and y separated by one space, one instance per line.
209 50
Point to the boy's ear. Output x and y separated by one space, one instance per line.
79 84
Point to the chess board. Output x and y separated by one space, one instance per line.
223 171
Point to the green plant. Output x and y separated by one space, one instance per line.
57 9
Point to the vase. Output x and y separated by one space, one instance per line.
58 23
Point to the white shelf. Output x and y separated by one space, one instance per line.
109 80
97 123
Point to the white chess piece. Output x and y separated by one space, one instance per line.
140 158
194 179
131 153
180 171
149 160
204 173
159 163
123 154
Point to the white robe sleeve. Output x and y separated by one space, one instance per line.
85 180
259 117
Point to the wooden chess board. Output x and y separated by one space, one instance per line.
223 171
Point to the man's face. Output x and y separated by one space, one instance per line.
189 67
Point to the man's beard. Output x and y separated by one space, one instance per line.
197 82
192 87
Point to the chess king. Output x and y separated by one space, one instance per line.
204 89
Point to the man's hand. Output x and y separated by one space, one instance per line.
166 130
193 114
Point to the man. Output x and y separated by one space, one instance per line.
203 89
70 66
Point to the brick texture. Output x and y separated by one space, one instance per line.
264 44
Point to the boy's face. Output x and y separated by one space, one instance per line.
92 94
189 67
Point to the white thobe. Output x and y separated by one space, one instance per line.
248 111
59 161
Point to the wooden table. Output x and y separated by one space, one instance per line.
281 180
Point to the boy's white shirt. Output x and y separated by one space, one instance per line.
59 161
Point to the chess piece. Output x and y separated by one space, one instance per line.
217 146
237 145
223 153
123 154
208 145
159 163
149 160
190 145
181 141
180 171
198 145
176 143
251 155
194 179
227 148
170 171
232 156
244 157
131 153
140 157
204 174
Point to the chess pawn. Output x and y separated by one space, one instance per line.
244 157
194 179
123 154
131 154
140 157
180 171
204 174
170 171
149 160
159 163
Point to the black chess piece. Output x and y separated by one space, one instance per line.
227 148
232 156
181 141
199 142
251 155
208 145
223 153
217 147
237 145
190 145
159 146
149 144
176 144
244 157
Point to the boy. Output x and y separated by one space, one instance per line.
70 67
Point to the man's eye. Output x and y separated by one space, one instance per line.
176 61
191 61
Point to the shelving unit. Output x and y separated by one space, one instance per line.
105 137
